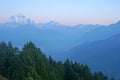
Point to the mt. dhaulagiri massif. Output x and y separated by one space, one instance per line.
52 36
95 45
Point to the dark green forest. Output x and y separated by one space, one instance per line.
30 63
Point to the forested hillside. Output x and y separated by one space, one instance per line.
31 64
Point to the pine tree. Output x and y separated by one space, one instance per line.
31 64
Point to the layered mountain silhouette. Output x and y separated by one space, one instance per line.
89 44
101 55
53 36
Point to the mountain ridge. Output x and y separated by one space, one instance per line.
56 35
21 19
105 52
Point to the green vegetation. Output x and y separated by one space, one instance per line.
2 78
30 64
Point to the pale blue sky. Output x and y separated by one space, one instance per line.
69 12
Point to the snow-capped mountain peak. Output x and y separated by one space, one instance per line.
19 19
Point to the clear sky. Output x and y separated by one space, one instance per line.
69 12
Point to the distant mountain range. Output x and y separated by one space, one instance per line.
53 37
89 44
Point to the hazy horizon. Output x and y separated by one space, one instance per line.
19 16
103 12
